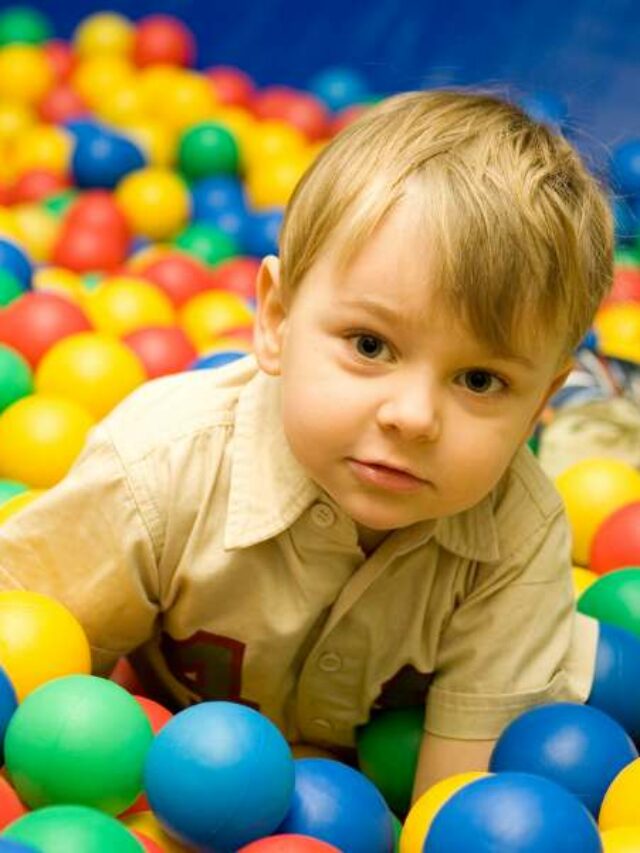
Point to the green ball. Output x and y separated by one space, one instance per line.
72 829
615 599
10 488
627 257
10 287
78 740
388 748
58 203
208 149
16 377
208 243
25 25
397 832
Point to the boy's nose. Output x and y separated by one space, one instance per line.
413 410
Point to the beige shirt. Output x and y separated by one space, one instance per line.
188 530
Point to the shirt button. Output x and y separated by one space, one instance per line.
321 723
322 515
330 662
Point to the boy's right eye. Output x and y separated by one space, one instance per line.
368 346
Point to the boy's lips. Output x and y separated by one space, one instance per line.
386 476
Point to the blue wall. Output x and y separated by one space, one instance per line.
588 51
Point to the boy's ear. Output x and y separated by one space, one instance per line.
270 317
556 384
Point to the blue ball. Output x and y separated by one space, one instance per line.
216 359
513 813
616 683
339 805
101 159
8 705
579 747
339 87
261 232
15 261
219 775
625 167
83 128
215 195
7 846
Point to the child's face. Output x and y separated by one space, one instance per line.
413 390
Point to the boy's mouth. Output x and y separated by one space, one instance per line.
386 476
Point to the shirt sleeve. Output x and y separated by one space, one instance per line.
88 543
515 641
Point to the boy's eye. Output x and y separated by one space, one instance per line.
369 346
482 382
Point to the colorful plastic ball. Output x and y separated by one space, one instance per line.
207 243
8 706
339 87
207 149
61 58
10 287
95 75
163 39
25 73
615 599
156 713
513 813
38 230
11 807
58 205
147 824
40 640
232 86
217 194
625 167
36 321
354 815
288 844
104 33
616 543
622 839
161 350
582 579
97 761
24 25
92 369
17 503
148 844
178 275
618 328
44 146
388 747
40 438
592 489
187 98
616 682
14 260
272 139
104 159
7 846
84 249
15 118
36 184
272 184
576 746
155 201
74 829
10 488
426 807
205 317
16 377
626 286
219 775
158 142
238 276
262 232
98 209
62 104
621 804
300 109
216 359
125 304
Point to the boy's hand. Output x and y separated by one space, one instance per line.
443 757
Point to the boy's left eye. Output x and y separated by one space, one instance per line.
482 382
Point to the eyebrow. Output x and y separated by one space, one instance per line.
385 312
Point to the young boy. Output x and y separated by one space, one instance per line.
351 520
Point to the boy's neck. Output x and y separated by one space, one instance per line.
370 539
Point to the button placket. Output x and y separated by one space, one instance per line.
322 515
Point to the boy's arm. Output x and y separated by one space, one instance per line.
442 757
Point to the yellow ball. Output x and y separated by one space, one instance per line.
61 281
26 74
623 839
240 123
618 328
591 490
155 201
582 579
15 118
44 146
99 74
208 315
187 100
159 143
40 437
147 824
39 640
105 33
8 227
232 342
123 304
18 502
37 229
424 810
92 369
272 138
272 183
123 105
621 804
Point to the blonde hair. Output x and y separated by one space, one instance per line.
513 219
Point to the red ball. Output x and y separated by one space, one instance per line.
33 323
289 844
11 807
61 104
300 109
126 676
156 713
162 349
148 844
616 544
88 250
163 39
626 286
179 276
98 209
346 117
37 184
231 86
237 275
61 58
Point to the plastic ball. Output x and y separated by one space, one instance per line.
156 713
79 828
123 105
582 579
104 159
272 139
592 489
104 33
44 146
163 39
354 815
216 195
388 747
626 286
207 149
219 775
618 329
155 201
207 243
11 807
616 682
216 359
288 844
576 746
82 249
232 86
61 104
178 275
10 488
339 87
61 58
10 288
161 350
14 260
25 73
187 100
17 503
40 640
622 839
24 25
16 378
147 824
238 276
621 803
513 813
426 807
92 369
35 322
125 304
158 142
205 317
625 167
38 230
615 599
40 438
616 543
262 231
299 109
97 761
95 75
272 184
